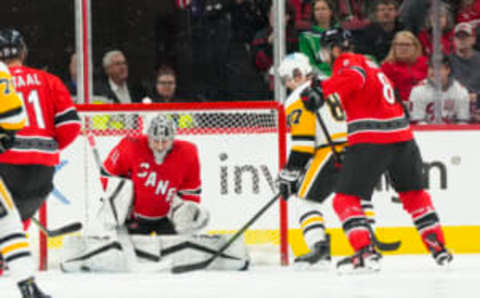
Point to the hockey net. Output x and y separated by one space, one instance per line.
241 147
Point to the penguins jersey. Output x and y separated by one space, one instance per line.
310 150
12 113
306 134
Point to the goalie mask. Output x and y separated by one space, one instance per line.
161 134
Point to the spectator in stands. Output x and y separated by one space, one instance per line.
262 44
376 39
446 24
72 85
469 11
309 41
116 88
405 65
165 85
466 61
240 78
354 14
454 98
413 13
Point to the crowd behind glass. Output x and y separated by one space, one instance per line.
231 53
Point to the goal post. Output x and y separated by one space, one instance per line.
242 145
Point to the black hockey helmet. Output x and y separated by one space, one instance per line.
337 37
11 44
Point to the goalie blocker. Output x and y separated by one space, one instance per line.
113 249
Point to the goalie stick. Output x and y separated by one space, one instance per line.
96 155
70 228
385 246
207 262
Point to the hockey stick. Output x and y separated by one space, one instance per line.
123 238
96 155
324 128
70 228
385 246
207 262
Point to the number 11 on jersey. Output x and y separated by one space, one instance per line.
33 101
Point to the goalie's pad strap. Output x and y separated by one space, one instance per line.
185 251
146 255
113 245
188 244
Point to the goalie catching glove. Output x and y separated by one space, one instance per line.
313 97
288 182
188 217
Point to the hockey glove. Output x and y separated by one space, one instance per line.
312 97
6 139
288 181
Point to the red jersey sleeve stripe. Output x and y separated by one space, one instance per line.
67 116
360 71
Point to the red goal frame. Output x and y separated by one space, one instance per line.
249 105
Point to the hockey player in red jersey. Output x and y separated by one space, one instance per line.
162 169
27 169
380 140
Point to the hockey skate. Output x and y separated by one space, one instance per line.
440 254
29 289
366 260
319 256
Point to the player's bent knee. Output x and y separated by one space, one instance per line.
346 205
414 200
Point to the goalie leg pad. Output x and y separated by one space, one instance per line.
98 255
198 248
147 247
116 202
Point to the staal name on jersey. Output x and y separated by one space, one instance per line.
28 80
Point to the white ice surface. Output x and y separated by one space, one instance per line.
401 276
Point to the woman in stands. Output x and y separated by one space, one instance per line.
404 64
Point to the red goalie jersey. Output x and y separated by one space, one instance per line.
155 185
52 120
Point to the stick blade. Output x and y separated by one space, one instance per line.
77 226
388 246
192 267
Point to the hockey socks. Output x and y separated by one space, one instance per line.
354 220
419 205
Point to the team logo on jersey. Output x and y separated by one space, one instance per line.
162 187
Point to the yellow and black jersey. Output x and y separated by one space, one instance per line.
12 113
306 133
310 149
